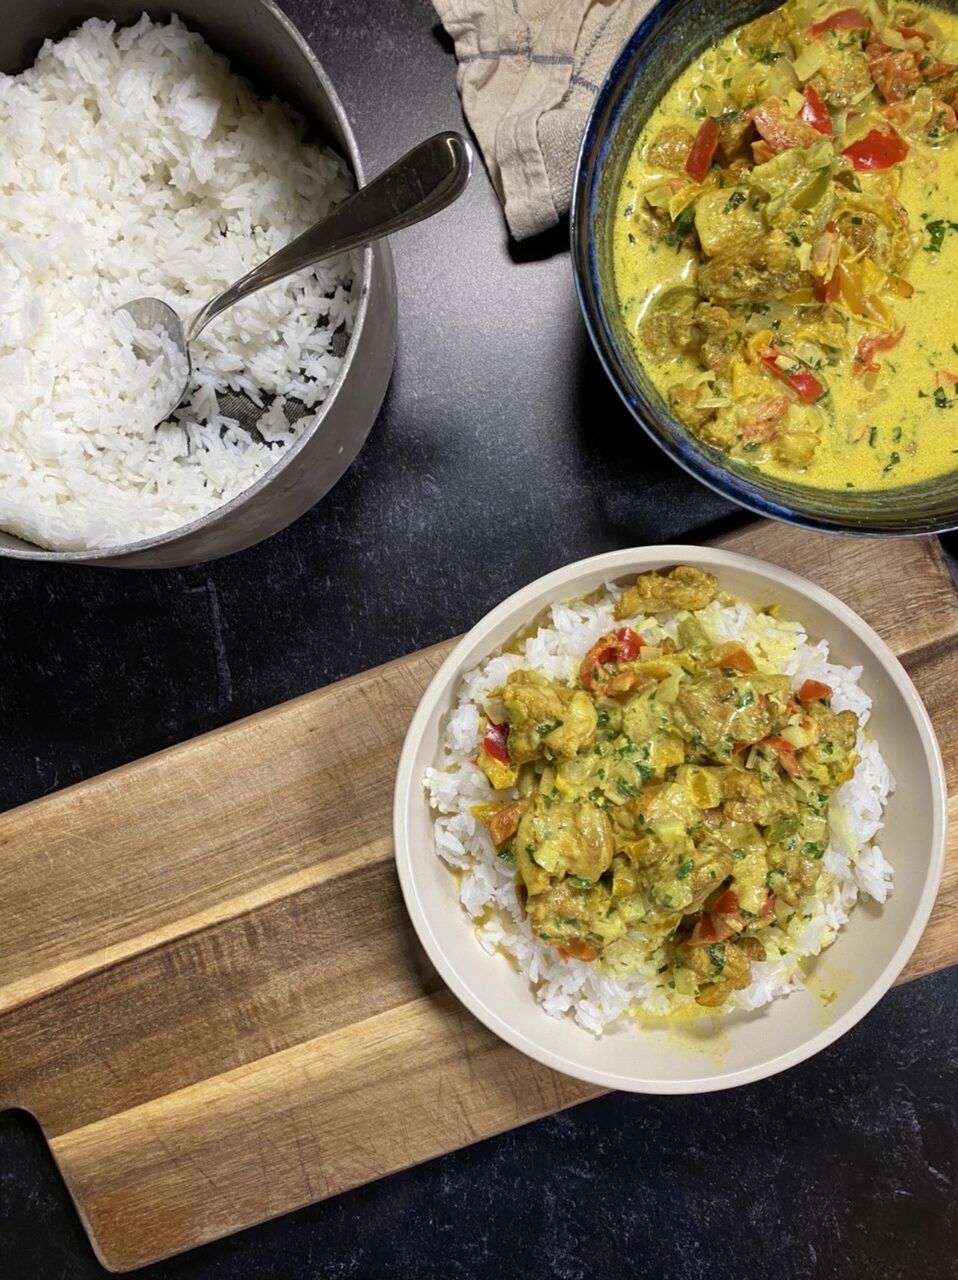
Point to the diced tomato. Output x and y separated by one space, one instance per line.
767 905
864 360
710 928
628 644
879 149
504 824
802 381
495 741
813 691
622 645
726 904
702 150
945 380
739 747
786 754
844 20
578 949
815 112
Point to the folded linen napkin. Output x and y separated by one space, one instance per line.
528 73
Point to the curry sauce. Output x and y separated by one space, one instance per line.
677 794
785 254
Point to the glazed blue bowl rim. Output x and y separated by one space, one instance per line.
584 208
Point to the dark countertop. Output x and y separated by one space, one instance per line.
500 453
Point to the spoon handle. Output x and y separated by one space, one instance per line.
418 185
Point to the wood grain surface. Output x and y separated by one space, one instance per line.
210 995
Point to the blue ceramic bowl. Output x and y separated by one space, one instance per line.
673 34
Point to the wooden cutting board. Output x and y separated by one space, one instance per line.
210 996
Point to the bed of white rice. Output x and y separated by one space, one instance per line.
591 993
135 163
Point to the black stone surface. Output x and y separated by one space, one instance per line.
500 453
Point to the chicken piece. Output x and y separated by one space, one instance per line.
669 149
778 125
568 916
793 876
681 588
720 346
751 946
867 235
842 79
718 351
577 729
736 132
721 429
534 708
712 319
766 269
726 220
703 714
669 334
749 798
686 404
830 759
896 75
564 839
713 863
720 968
770 31
946 86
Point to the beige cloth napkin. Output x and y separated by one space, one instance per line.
528 73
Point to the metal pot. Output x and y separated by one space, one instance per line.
262 44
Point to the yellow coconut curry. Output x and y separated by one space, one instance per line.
786 254
676 793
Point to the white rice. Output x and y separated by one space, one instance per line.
589 992
135 163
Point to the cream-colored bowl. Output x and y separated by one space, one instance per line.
714 1052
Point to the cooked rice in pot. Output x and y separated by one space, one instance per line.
136 163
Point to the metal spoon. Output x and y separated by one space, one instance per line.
421 183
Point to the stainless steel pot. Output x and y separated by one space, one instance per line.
262 44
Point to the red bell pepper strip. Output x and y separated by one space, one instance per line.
786 754
622 645
844 20
802 381
879 149
495 742
814 691
702 150
815 112
864 359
